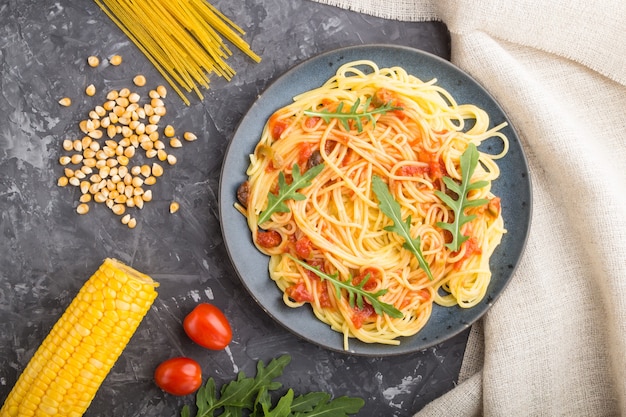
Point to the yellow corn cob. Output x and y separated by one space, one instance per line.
68 368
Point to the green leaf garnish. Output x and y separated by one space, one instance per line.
276 202
319 404
282 408
355 113
391 208
356 293
254 394
469 161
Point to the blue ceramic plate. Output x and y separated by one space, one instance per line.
513 187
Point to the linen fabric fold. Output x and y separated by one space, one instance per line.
554 344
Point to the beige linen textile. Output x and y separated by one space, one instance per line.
554 344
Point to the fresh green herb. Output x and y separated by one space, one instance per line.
276 202
391 208
356 293
469 161
253 395
316 404
355 113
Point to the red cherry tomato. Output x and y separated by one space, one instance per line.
207 326
179 376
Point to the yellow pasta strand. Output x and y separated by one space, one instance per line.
181 38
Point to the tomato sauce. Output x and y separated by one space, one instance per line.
471 247
299 293
372 281
303 247
268 239
361 315
305 150
277 126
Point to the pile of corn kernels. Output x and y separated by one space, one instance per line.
101 164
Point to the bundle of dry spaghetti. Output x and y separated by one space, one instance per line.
184 39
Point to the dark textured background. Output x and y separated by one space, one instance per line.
47 251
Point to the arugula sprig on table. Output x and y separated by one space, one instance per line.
391 208
355 113
356 292
276 202
253 394
468 162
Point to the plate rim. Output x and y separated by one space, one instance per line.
388 350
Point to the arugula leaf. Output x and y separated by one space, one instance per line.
263 402
353 113
469 161
338 407
391 209
276 202
263 405
356 293
253 394
305 403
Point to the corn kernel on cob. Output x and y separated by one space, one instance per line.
68 368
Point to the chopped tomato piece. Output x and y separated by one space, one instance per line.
310 122
304 247
411 170
424 294
374 276
471 247
330 146
268 239
360 315
277 126
324 297
350 157
299 293
436 167
304 153
400 114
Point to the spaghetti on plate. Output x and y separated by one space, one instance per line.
332 241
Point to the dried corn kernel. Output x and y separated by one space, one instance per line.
175 143
93 61
162 91
65 101
90 90
169 131
82 208
115 60
174 206
139 80
157 170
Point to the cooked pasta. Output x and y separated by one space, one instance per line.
182 39
410 134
